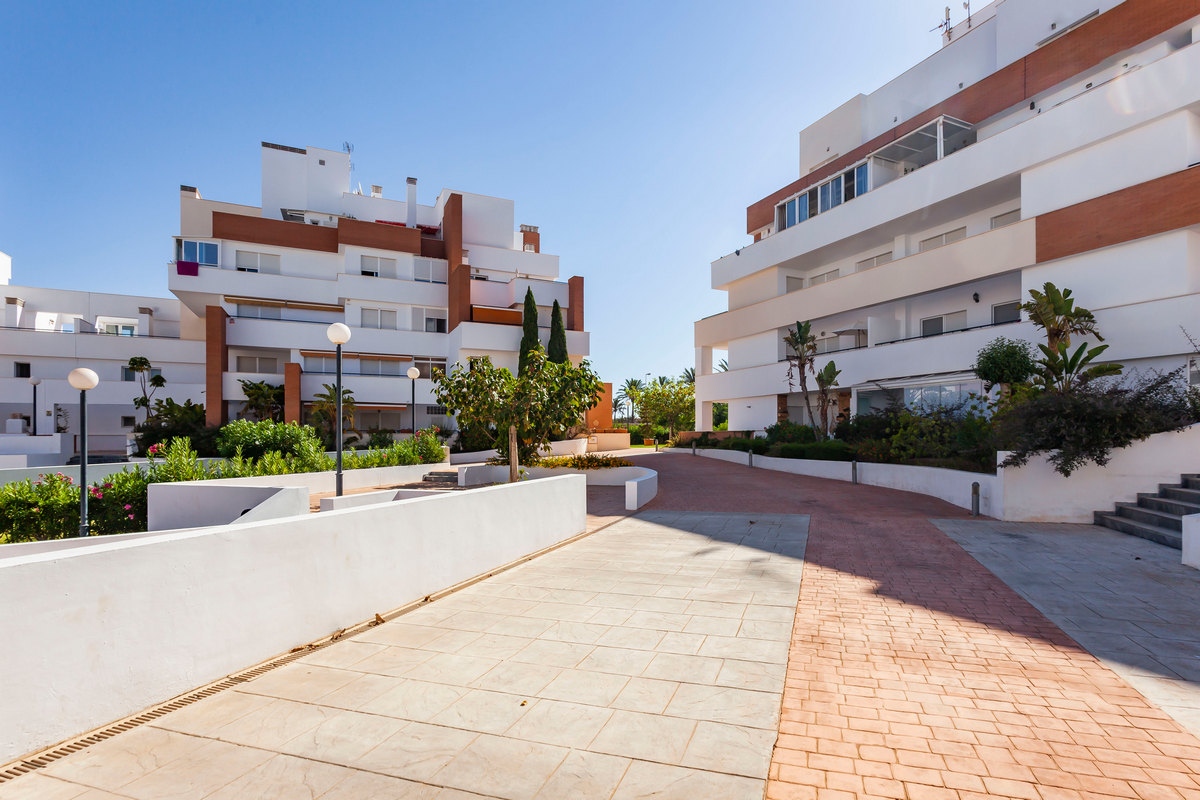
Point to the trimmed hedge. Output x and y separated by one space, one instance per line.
819 451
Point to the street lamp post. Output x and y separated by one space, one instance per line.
83 379
414 373
34 383
339 334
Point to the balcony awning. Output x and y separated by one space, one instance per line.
920 147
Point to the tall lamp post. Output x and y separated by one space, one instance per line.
83 379
34 383
414 373
339 334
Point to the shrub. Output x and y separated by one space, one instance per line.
473 438
832 450
379 438
170 420
756 446
585 461
878 451
880 423
1005 362
788 432
254 439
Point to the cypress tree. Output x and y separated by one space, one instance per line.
556 352
529 339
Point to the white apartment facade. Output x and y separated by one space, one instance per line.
1047 141
47 333
418 285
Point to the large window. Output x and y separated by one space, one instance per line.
320 364
1007 218
934 242
120 329
830 194
259 312
258 364
200 252
377 267
378 366
379 318
248 261
429 270
430 320
948 394
1006 312
427 365
945 323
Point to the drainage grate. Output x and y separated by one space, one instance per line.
45 758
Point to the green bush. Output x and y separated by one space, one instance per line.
254 439
473 438
171 420
756 446
585 461
788 432
658 433
832 450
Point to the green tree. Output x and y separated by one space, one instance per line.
801 361
556 350
324 413
1055 312
628 394
147 380
529 327
826 382
688 375
263 400
544 400
1003 362
671 404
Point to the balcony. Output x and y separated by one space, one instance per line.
297 335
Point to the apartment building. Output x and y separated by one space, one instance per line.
49 332
1047 140
423 285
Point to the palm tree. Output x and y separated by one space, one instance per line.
803 346
324 411
688 375
628 394
662 380
723 366
1056 313
263 400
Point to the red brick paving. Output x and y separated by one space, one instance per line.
915 673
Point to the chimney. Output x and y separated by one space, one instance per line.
376 190
531 240
410 204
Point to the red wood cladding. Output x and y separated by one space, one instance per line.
1119 29
292 404
433 248
216 356
378 235
498 316
277 232
575 303
1157 206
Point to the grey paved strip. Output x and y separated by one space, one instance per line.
1129 602
646 660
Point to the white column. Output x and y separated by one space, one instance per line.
704 415
941 148
704 361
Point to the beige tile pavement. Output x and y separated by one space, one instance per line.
646 660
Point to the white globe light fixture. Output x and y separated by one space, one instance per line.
414 373
338 334
84 380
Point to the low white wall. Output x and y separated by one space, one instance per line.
834 470
481 474
25 444
124 623
951 485
604 442
196 504
567 447
1036 493
639 491
1191 540
371 498
473 457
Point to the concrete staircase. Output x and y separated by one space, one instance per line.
442 477
1157 517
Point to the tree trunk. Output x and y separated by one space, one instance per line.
512 453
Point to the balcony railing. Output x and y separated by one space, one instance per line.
947 333
90 333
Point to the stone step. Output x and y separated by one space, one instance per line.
1164 536
1168 504
1177 492
1191 480
1163 519
441 476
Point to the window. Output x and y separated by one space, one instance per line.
377 266
436 411
1194 371
427 365
950 394
322 364
873 261
1007 218
200 252
835 192
129 375
120 329
379 318
812 203
21 369
429 270
860 179
824 194
258 364
1006 312
128 422
824 277
848 185
430 320
248 261
258 312
530 248
933 242
794 284
933 326
378 366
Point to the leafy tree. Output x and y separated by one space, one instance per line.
1003 362
1055 312
1063 371
826 381
720 416
688 375
324 413
263 400
671 404
628 394
171 420
148 381
529 327
556 350
543 400
801 361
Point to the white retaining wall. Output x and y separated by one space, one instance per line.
644 492
371 498
108 629
1191 540
605 442
567 447
196 504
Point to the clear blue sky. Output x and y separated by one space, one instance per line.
633 133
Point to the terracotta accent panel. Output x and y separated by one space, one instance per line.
291 392
575 303
1114 31
432 248
216 357
532 238
600 418
378 235
496 316
1157 206
275 232
459 274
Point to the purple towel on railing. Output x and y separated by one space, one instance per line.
188 268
